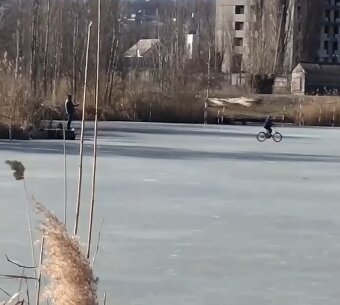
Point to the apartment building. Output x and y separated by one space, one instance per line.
329 48
233 19
235 22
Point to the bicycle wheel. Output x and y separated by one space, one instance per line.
277 137
261 136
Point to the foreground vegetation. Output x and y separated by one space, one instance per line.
62 273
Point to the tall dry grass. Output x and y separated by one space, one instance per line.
18 106
318 114
71 279
181 107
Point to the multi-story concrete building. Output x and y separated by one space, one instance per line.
233 21
315 35
249 28
329 48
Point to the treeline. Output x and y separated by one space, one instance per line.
43 52
43 44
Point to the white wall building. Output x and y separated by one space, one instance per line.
233 18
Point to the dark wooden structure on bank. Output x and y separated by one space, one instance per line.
316 79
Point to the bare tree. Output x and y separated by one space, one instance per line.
47 36
18 39
225 47
268 36
75 47
2 11
34 45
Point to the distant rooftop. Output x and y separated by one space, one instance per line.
141 48
327 73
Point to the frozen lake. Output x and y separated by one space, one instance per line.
193 215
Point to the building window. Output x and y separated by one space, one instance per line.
337 2
237 63
239 26
335 46
328 14
299 12
336 14
336 30
326 29
238 42
239 9
325 45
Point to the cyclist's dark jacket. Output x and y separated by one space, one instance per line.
268 123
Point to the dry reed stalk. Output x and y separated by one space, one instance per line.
20 283
5 292
18 169
65 174
70 277
81 153
12 300
23 269
27 293
19 174
98 243
40 267
94 169
28 212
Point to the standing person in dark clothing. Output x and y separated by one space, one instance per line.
70 109
268 124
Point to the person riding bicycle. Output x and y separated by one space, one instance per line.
268 124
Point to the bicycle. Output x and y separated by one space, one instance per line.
263 136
